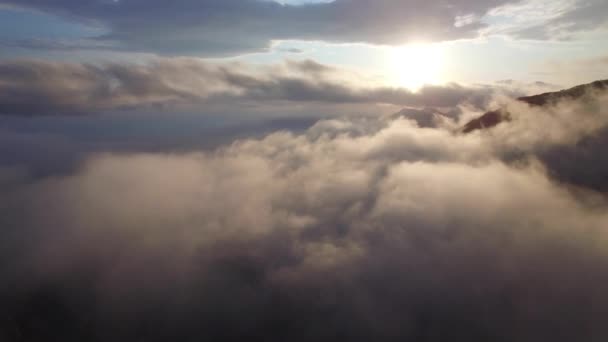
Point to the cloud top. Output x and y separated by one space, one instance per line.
359 228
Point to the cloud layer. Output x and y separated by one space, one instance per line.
70 88
358 229
237 26
228 27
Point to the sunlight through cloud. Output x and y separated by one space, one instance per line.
413 66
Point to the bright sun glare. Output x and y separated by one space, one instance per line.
413 66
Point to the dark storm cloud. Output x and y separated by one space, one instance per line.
359 229
237 26
33 88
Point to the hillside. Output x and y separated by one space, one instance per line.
493 118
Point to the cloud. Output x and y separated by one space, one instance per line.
221 27
566 136
559 20
233 27
292 50
361 228
70 88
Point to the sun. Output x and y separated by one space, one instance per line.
416 65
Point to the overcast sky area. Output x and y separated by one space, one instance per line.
303 170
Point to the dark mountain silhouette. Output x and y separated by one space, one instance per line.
493 118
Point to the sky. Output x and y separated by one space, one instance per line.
299 170
460 41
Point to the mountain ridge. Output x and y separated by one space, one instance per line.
493 118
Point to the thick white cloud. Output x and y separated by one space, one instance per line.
360 228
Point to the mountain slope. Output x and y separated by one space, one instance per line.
493 118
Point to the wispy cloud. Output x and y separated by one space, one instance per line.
542 20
